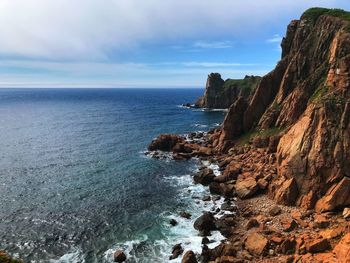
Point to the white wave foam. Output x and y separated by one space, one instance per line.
73 257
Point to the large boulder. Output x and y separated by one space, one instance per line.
205 223
246 187
165 142
189 257
119 256
256 244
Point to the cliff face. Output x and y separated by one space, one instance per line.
307 98
221 94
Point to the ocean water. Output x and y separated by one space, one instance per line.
75 184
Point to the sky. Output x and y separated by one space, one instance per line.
141 43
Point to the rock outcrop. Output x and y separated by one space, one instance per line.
221 94
305 101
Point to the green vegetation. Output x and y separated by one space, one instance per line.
319 93
314 13
247 85
248 136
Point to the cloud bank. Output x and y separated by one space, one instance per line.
92 29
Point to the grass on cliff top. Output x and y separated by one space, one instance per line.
246 138
247 85
314 13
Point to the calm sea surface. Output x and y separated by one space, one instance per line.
75 184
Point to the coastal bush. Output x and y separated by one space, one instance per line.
247 85
314 13
248 136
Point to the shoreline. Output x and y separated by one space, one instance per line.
259 230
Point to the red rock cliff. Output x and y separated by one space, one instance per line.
307 97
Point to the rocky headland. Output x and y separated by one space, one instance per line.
220 94
283 152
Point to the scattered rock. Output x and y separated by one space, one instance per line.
275 210
318 245
256 244
119 256
185 215
252 223
288 246
288 224
346 213
173 222
320 221
176 252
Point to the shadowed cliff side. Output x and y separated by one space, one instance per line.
306 100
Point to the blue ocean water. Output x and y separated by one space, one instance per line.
74 182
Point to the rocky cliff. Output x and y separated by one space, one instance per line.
305 100
221 93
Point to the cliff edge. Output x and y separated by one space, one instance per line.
304 102
221 94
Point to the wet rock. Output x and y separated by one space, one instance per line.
173 222
204 176
205 222
119 256
176 252
189 257
205 240
256 244
165 142
185 214
206 198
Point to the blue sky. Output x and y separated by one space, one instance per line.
138 43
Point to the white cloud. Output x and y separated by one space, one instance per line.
212 44
91 29
275 39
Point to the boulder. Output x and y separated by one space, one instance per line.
336 197
256 244
346 213
205 222
185 214
275 210
204 176
165 142
173 222
288 224
318 245
246 187
189 257
287 193
119 256
176 252
342 249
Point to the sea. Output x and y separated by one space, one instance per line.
75 184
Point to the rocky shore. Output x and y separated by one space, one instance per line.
283 152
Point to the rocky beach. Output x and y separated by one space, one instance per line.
282 152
